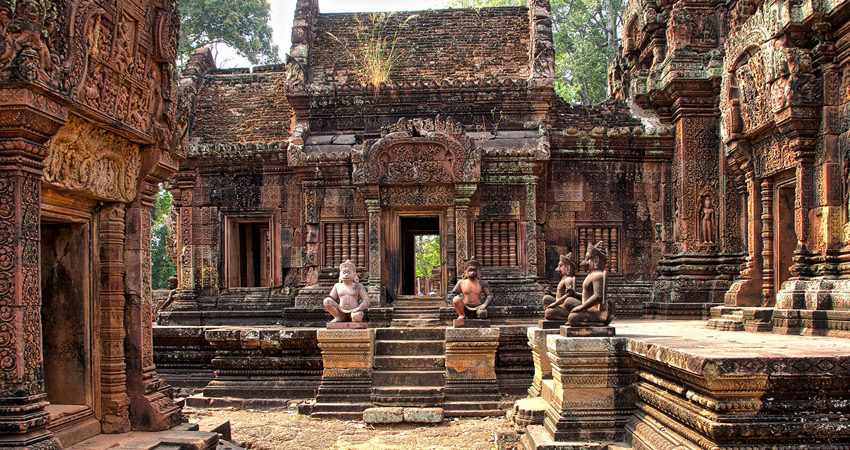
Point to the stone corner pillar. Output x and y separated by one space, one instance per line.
592 396
29 119
471 385
346 387
151 405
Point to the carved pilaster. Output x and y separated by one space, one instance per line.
531 226
151 407
113 379
185 244
462 194
27 121
747 289
767 241
373 208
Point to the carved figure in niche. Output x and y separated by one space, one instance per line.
173 295
469 292
352 296
595 308
566 298
708 221
28 35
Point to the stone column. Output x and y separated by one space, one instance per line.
767 241
373 208
346 387
592 395
531 227
471 386
185 244
463 192
747 289
151 407
28 121
113 379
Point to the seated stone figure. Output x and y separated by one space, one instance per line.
595 309
352 296
469 292
566 298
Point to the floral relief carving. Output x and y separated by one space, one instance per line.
83 157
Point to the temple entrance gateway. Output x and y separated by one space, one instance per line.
786 236
415 231
399 273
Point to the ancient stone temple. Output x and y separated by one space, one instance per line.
87 131
713 183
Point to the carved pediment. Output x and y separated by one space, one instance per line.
420 152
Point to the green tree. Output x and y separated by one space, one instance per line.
586 37
162 267
242 25
427 251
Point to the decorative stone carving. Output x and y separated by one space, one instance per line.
595 308
566 298
352 296
469 293
708 221
85 158
25 46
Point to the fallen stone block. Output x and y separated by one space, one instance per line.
423 415
383 415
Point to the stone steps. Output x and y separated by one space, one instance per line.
401 347
410 396
406 334
393 378
426 362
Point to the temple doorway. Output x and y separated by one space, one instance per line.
420 238
785 241
67 318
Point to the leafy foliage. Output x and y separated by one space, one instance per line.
239 24
427 254
162 267
586 35
375 50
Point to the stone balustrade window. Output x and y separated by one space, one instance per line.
590 235
344 241
496 243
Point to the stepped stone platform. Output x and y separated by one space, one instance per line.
686 386
210 434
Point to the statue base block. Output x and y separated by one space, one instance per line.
550 324
471 323
568 331
347 325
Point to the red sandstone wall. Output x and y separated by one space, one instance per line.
460 44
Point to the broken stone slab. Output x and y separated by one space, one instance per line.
568 331
423 415
383 415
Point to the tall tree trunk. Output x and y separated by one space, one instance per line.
610 29
585 99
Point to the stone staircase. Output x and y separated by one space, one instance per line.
417 311
409 367
752 319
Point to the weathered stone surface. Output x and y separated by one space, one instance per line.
383 415
471 323
423 415
568 331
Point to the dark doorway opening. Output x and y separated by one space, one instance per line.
785 240
411 229
249 256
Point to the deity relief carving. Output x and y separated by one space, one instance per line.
708 221
83 157
25 29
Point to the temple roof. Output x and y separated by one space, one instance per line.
236 106
453 44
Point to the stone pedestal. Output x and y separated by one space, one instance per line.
346 387
592 396
471 323
542 366
551 324
471 386
568 331
347 325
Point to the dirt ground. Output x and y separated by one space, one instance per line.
286 429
